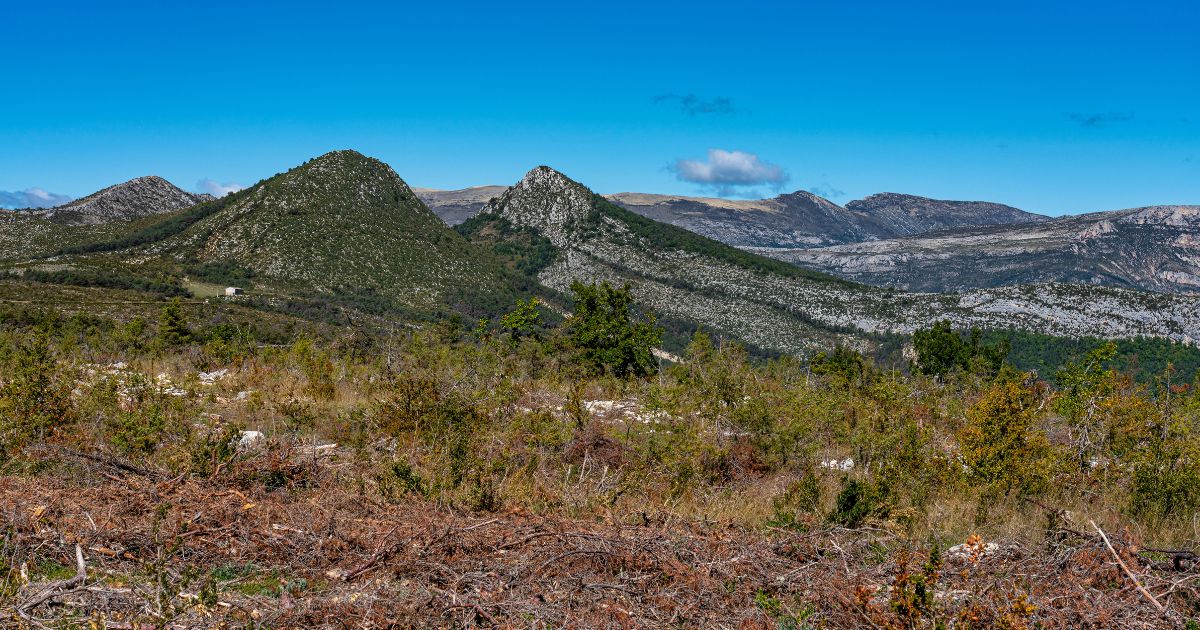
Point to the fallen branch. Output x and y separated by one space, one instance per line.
379 556
477 609
1141 589
107 461
61 587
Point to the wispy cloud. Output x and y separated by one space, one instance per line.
31 198
1099 120
730 173
216 188
693 105
827 191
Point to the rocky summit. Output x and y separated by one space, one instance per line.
134 199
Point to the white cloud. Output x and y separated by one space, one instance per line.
728 171
31 198
217 189
692 105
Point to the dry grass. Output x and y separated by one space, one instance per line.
283 539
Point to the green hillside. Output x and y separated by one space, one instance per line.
342 226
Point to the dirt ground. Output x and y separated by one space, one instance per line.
286 544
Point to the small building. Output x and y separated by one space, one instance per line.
233 291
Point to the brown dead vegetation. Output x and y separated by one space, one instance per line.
280 540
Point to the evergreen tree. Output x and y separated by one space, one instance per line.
172 327
941 350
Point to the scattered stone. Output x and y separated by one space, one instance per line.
247 439
208 378
838 464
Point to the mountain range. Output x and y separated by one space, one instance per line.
799 219
922 244
690 278
346 229
1155 248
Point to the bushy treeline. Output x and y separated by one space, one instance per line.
1144 358
220 273
106 278
578 418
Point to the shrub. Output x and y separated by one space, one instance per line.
607 336
858 501
34 402
1001 443
137 432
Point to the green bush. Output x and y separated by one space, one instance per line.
34 399
607 336
1001 441
858 501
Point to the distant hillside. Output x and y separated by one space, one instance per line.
134 199
905 215
794 220
100 216
799 219
340 222
690 278
802 219
342 225
456 206
1155 248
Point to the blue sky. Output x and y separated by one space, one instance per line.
1054 107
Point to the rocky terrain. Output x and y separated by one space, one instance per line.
456 206
906 215
134 199
794 220
1155 248
695 279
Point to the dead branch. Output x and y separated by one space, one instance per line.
61 587
1141 589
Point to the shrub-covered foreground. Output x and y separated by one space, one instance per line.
442 476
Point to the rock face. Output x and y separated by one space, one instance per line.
134 199
689 278
456 206
548 202
905 215
1155 248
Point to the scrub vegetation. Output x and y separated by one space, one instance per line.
216 467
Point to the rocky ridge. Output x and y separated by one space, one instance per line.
1155 248
456 206
134 199
696 279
